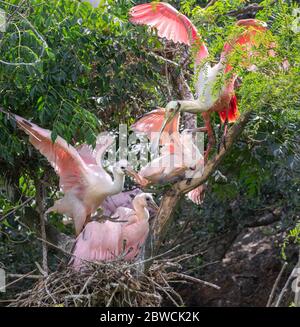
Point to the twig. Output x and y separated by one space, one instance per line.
297 290
211 2
252 8
16 208
157 56
276 284
155 257
25 276
55 246
196 280
17 280
284 289
112 296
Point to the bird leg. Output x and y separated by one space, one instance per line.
124 252
223 139
210 134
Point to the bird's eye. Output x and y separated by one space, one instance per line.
123 168
148 199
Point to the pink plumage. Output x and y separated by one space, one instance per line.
108 241
170 24
176 27
152 122
97 242
83 180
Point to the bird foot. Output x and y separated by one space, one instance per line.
104 218
188 181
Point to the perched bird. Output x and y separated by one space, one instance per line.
82 178
123 199
172 25
136 229
179 158
105 241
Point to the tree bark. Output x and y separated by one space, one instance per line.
40 200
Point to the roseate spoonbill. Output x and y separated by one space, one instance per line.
108 240
136 229
177 27
123 199
163 168
179 157
83 179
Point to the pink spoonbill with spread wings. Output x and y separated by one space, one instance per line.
82 178
172 25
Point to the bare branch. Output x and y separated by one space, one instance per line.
276 284
40 195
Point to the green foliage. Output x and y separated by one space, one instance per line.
78 70
292 237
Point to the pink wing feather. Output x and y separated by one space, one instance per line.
170 24
246 40
89 155
63 157
152 122
97 242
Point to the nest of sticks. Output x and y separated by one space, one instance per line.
117 283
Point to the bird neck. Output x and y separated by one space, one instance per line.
118 183
141 211
192 106
206 90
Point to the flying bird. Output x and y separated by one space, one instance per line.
82 178
173 25
107 241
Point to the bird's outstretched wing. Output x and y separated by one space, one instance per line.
170 24
247 40
97 242
151 124
63 157
93 156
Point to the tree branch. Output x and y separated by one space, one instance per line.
172 197
40 195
